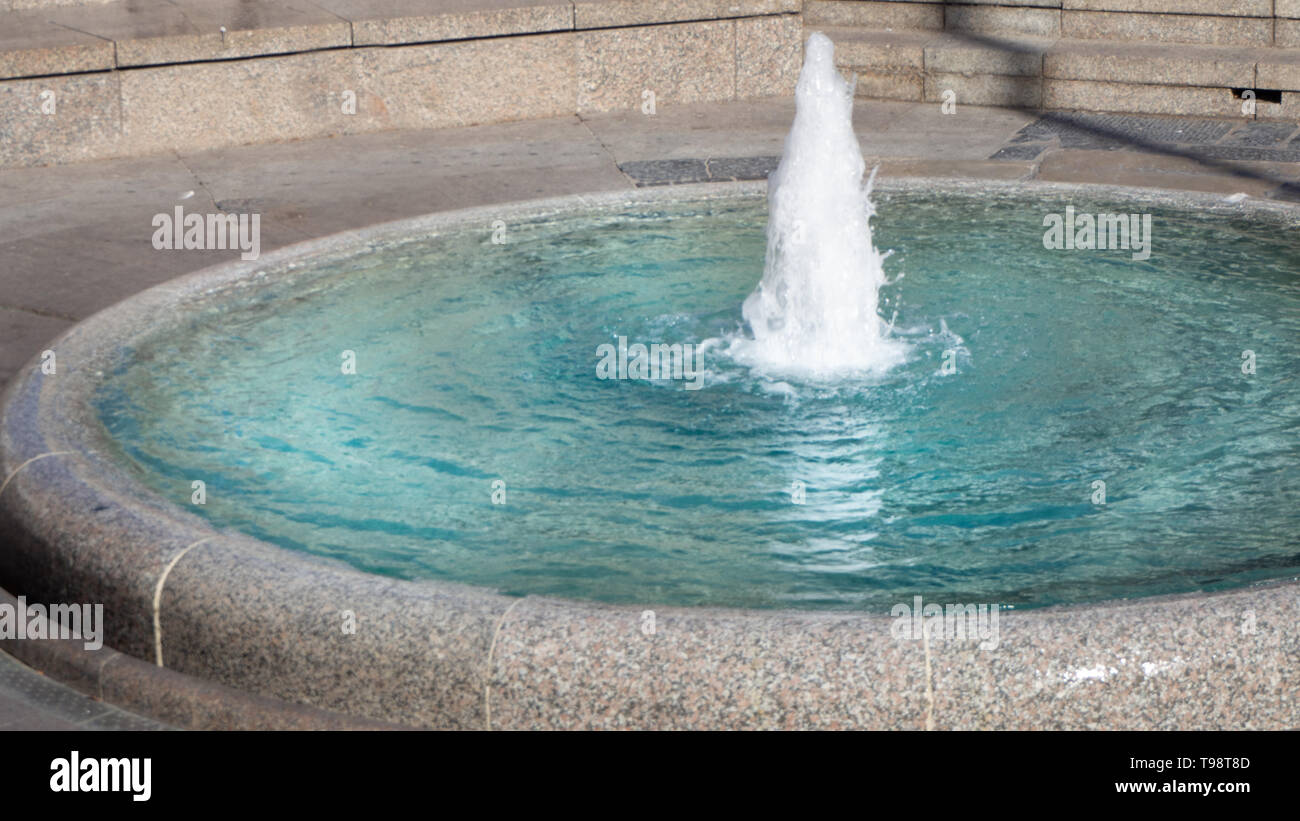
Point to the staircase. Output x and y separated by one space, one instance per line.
1217 58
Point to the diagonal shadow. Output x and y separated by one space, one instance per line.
1103 130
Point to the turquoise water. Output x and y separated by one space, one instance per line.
476 362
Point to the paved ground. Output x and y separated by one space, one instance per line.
30 701
76 239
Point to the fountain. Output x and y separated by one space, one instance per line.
815 311
470 528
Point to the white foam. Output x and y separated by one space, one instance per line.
814 313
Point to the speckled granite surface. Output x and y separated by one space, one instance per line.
173 81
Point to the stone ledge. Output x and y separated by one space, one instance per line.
1221 8
153 32
1039 4
121 34
1022 56
1278 70
1170 28
986 89
1003 20
21 5
330 92
883 84
591 14
867 48
394 22
1287 34
1287 8
1088 95
1152 63
876 15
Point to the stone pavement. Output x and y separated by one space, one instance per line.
76 239
30 701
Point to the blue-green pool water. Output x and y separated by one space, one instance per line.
476 364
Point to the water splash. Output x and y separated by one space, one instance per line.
814 313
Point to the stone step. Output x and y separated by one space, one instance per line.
1067 73
920 65
1152 63
886 16
888 65
1030 17
1214 29
1243 23
885 50
1223 8
1007 19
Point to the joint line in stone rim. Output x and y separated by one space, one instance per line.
14 472
157 599
487 684
929 683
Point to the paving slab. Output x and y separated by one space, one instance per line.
1148 170
1266 134
31 701
718 169
38 201
1116 131
316 188
970 132
23 334
759 128
74 272
1221 146
31 45
695 131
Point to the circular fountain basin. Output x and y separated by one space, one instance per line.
422 502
